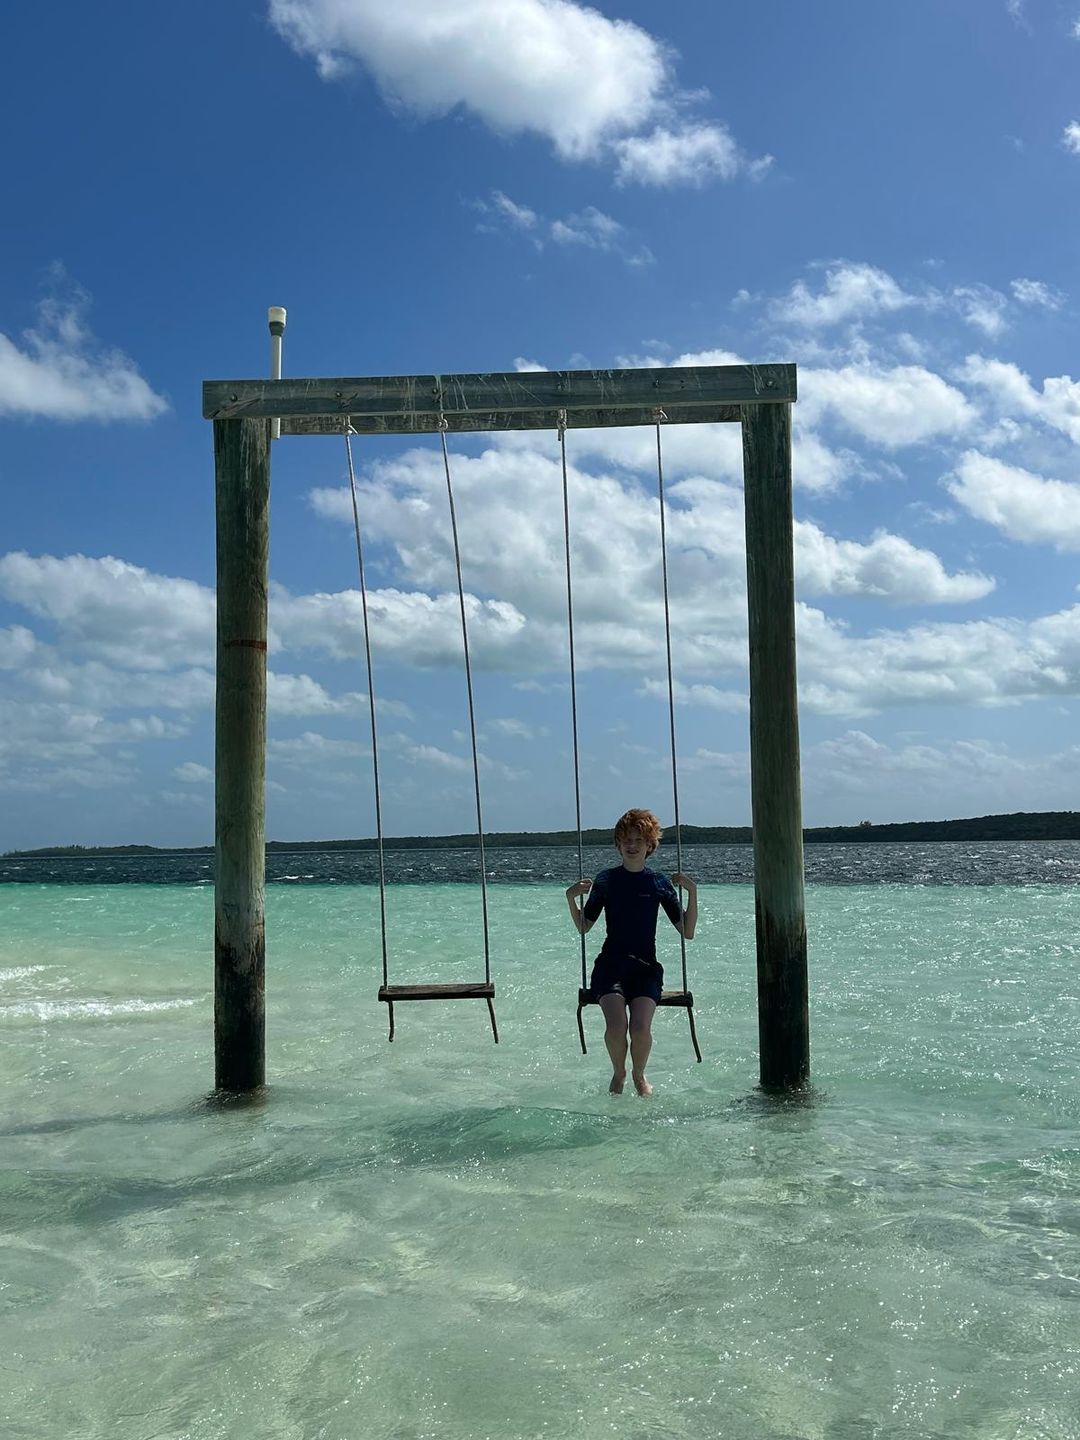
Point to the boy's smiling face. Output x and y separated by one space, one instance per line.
633 849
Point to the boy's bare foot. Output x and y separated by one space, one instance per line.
641 1085
617 1083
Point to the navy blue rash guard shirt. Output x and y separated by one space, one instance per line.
632 903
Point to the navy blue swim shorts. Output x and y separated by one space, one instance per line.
627 975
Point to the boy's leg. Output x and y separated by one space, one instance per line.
614 1007
642 1009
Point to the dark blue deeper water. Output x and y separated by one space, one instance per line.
999 862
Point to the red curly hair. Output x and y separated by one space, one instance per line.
643 821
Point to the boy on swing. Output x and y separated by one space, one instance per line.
626 975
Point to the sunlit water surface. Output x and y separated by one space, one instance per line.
445 1238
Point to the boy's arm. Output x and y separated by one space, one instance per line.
689 921
577 913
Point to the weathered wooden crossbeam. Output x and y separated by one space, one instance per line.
425 422
518 400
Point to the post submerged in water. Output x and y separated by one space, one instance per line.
242 466
758 396
783 998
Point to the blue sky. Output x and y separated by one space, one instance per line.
885 195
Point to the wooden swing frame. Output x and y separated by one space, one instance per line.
245 414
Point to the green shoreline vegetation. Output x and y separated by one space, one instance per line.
1025 825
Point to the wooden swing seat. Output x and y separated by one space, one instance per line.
675 999
483 990
477 990
679 999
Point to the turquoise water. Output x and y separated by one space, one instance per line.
448 1238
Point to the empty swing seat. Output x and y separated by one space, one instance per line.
478 990
675 999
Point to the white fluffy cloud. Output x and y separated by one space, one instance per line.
120 660
511 728
1022 505
706 697
292 695
408 627
708 450
856 294
547 66
556 68
855 763
1038 294
1056 405
510 521
714 450
818 467
510 524
889 568
976 775
192 773
143 631
521 217
115 611
852 292
60 372
975 662
690 155
56 673
982 307
61 742
888 406
1070 137
313 749
589 229
51 746
16 645
117 638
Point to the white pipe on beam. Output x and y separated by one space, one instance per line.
276 316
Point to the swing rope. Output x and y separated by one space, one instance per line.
573 678
660 418
682 998
469 686
435 991
349 433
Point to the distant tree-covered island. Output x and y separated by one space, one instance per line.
1024 825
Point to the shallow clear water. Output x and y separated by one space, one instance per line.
447 1238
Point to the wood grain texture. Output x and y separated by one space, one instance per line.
516 393
499 420
242 461
481 990
783 1002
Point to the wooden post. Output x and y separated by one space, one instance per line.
242 462
783 1006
